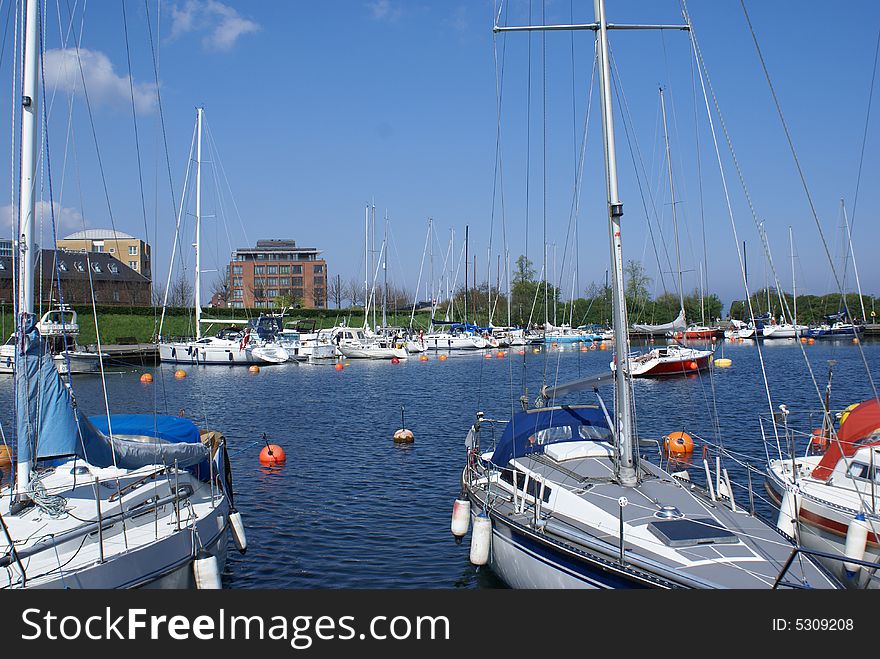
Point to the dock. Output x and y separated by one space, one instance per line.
129 354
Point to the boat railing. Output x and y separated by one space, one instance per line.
798 551
798 433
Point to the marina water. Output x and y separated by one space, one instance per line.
352 509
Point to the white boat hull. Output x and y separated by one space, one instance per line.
218 351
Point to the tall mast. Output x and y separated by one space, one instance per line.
793 285
465 273
623 424
27 211
853 257
198 225
672 195
385 272
366 262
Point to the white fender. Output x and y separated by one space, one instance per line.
236 525
788 512
856 541
461 517
481 539
206 571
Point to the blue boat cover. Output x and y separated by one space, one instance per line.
49 424
515 440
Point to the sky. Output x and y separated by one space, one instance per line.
316 110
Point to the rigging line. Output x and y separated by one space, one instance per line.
627 121
5 31
802 178
419 282
703 84
865 133
699 173
544 173
499 92
528 131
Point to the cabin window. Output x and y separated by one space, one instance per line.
863 472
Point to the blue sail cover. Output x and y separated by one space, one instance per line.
515 442
49 425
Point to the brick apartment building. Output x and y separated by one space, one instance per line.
259 276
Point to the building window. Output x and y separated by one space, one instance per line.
113 268
259 270
272 292
236 281
272 270
296 281
284 281
318 281
237 294
112 250
318 268
98 247
62 266
260 282
283 269
236 270
133 265
132 250
79 266
116 296
296 269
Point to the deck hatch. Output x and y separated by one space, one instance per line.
691 532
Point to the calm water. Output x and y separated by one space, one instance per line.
350 509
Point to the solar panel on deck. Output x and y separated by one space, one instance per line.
689 532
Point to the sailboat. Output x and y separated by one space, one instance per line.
114 501
563 500
673 359
825 485
783 329
230 346
59 328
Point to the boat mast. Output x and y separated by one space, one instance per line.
793 285
26 213
672 195
853 257
465 274
622 398
385 272
198 224
366 263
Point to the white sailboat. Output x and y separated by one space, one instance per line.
227 347
59 329
115 501
563 500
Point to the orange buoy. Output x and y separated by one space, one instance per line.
678 443
856 340
423 358
339 366
803 339
488 355
811 340
500 354
272 454
254 369
692 366
395 360
520 352
584 348
602 346
146 378
180 373
442 358
5 456
404 436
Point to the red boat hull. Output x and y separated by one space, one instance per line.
681 367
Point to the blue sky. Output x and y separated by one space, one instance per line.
317 108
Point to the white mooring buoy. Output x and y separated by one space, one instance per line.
236 525
206 571
461 517
856 541
481 539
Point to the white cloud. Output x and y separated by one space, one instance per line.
104 85
67 220
383 10
223 24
